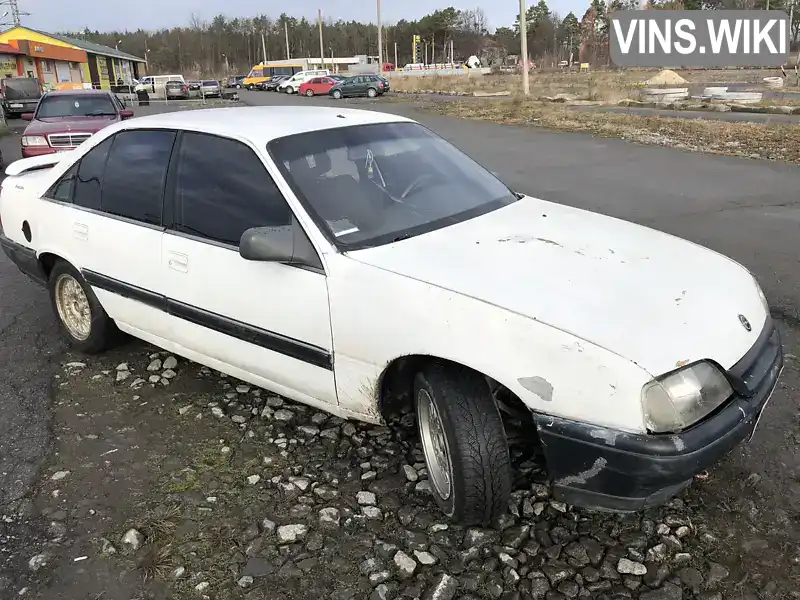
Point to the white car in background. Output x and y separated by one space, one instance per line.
293 83
354 260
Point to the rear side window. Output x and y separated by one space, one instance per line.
62 190
133 183
223 189
90 174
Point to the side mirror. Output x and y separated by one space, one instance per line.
289 245
126 114
27 116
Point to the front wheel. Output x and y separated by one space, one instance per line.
371 92
464 443
337 94
309 93
82 319
290 90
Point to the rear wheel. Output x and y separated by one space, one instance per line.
289 90
337 94
309 93
464 443
371 92
82 319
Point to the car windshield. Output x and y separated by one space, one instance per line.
21 88
74 106
369 185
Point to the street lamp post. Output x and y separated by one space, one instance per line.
380 40
523 34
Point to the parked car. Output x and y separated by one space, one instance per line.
272 84
293 83
318 86
64 120
211 89
235 82
19 95
155 85
423 278
176 90
358 85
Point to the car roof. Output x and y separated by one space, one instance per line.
262 124
79 92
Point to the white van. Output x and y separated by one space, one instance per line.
155 84
291 85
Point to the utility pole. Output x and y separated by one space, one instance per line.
523 34
263 46
286 33
321 47
395 56
380 40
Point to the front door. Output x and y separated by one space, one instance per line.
267 323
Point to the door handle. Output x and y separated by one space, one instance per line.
80 231
178 262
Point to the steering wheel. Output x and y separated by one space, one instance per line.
414 184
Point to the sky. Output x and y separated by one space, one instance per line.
73 15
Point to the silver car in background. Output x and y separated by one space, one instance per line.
210 88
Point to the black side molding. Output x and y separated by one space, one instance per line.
125 290
270 340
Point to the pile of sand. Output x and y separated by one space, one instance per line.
666 77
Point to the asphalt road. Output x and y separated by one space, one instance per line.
746 209
30 344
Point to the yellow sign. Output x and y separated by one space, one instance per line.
8 65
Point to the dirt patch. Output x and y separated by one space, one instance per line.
170 480
666 77
772 141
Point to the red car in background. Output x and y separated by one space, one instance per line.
319 86
64 120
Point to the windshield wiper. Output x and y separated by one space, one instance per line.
99 114
400 238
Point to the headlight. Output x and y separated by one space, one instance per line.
682 398
33 140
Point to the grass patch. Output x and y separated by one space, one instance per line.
773 141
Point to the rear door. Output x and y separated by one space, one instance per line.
314 84
109 214
251 318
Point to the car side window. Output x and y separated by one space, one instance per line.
62 189
316 80
90 174
133 183
222 189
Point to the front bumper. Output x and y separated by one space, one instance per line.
606 469
28 151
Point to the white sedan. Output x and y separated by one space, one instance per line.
354 261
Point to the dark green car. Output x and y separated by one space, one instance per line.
359 85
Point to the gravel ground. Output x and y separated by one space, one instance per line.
170 480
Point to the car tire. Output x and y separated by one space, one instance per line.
372 92
289 90
337 94
66 285
458 418
309 93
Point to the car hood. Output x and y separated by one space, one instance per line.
652 298
68 125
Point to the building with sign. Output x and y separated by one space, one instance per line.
60 62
